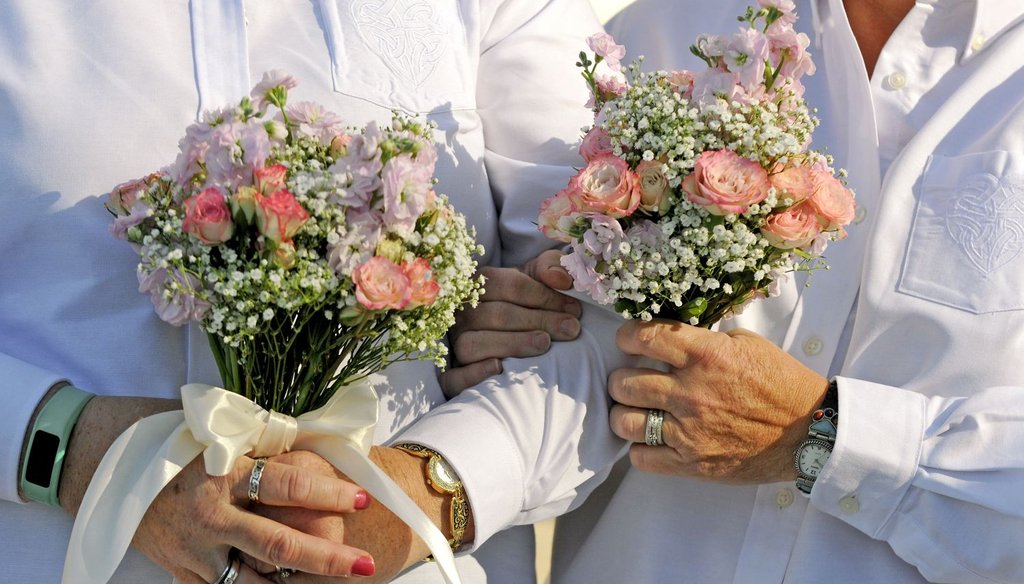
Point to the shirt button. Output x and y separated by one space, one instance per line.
896 81
784 498
849 504
978 41
860 214
813 346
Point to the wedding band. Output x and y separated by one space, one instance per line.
254 479
230 573
652 430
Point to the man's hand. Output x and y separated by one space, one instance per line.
519 315
736 406
195 521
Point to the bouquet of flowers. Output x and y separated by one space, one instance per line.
700 191
312 254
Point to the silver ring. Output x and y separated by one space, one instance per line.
652 430
230 573
284 573
254 479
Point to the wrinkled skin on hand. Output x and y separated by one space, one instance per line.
737 406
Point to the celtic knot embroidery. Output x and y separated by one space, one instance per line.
986 220
409 36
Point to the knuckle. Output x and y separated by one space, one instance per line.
298 486
282 548
465 347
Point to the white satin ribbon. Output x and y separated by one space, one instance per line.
224 426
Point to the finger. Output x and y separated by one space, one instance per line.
284 485
658 460
645 388
273 543
247 575
667 341
186 577
473 346
628 423
513 317
511 285
456 379
547 269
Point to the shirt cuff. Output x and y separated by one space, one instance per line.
486 458
22 386
876 454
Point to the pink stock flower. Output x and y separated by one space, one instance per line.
653 186
788 50
270 179
710 84
279 216
682 81
583 269
357 245
208 217
406 182
603 238
595 143
832 201
421 281
272 81
180 303
608 186
121 224
604 46
724 182
315 121
795 183
791 228
255 142
745 56
608 87
553 210
381 284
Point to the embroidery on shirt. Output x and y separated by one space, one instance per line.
986 220
409 36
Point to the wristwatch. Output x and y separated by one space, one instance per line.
813 453
443 479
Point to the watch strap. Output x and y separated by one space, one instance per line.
458 508
822 430
47 443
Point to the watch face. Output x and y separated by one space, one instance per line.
812 456
442 474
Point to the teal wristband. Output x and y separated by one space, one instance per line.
47 442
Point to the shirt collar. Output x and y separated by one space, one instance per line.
991 19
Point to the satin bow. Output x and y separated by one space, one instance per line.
224 426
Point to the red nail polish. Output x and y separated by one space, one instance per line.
363 566
362 500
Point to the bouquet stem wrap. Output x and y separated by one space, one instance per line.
223 426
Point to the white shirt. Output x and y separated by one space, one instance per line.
96 93
926 482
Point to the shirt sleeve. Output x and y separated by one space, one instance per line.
22 386
907 467
534 441
532 103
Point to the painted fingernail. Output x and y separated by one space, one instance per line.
570 327
363 566
362 500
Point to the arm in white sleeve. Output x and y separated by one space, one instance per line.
534 441
531 99
22 387
940 479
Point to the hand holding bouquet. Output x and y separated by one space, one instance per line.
313 255
700 191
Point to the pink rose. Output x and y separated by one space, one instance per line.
270 179
279 216
243 205
725 182
381 284
595 143
832 201
553 210
653 186
791 228
608 186
795 183
604 46
682 81
122 197
421 281
208 217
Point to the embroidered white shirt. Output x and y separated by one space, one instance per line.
926 482
96 93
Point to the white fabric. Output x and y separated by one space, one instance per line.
96 93
927 479
224 426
